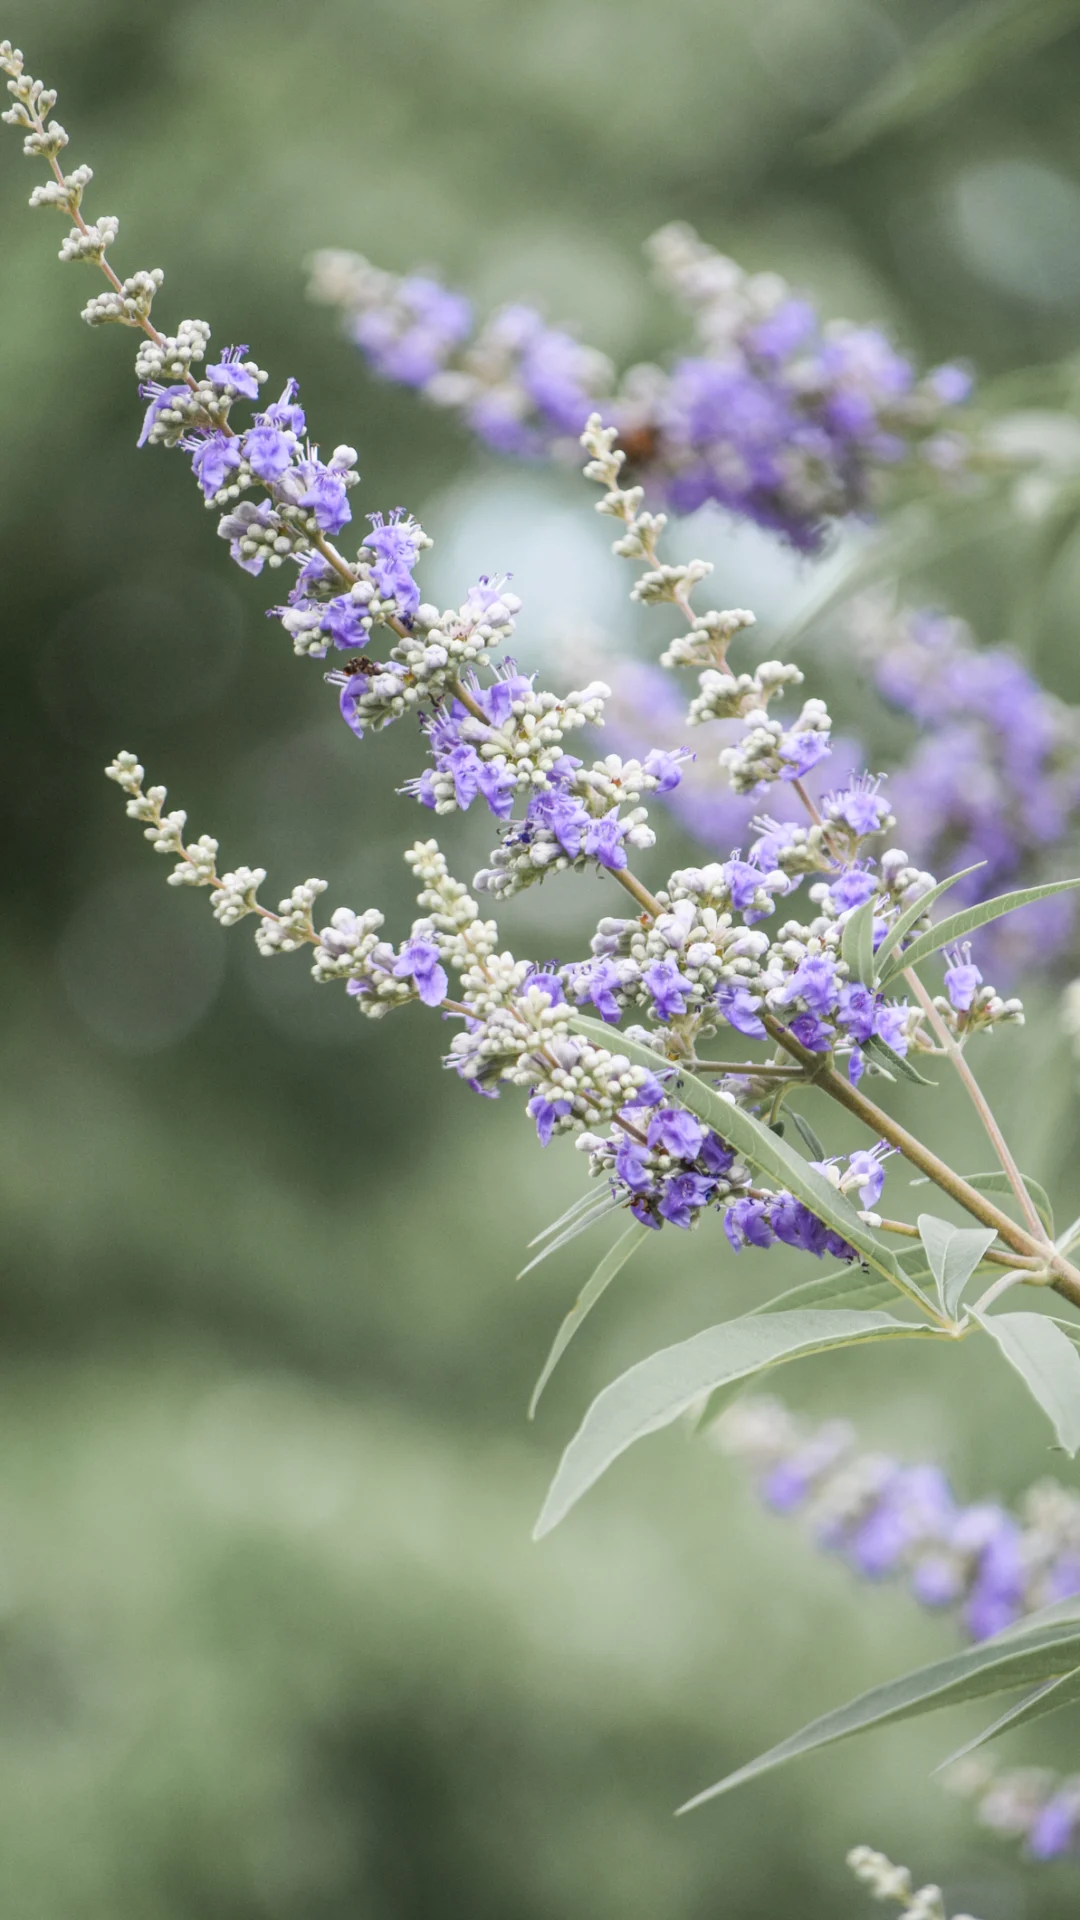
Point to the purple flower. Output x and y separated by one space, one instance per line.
869 1173
666 768
283 412
545 1113
604 841
598 981
739 1008
890 1024
796 1226
857 1010
213 458
353 688
860 806
1055 1827
962 977
548 982
395 544
268 451
802 751
343 619
419 960
160 399
683 1196
814 980
667 987
228 372
742 882
563 816
852 887
649 1094
630 1166
325 495
677 1132
746 1224
810 1032
716 1156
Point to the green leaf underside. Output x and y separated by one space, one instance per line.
1049 1698
998 1182
959 925
879 1049
1044 1647
764 1149
656 1391
609 1204
599 1280
904 922
807 1133
857 942
851 1287
1047 1362
953 1253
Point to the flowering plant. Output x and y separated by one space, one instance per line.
613 1047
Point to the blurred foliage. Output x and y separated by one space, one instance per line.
272 1640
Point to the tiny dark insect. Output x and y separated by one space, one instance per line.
360 664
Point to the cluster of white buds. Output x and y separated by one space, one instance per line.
527 744
292 927
887 1882
171 356
770 751
730 696
90 244
709 637
988 1009
128 308
236 893
723 298
426 661
64 194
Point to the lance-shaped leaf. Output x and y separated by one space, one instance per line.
599 1280
959 925
1044 1647
998 1182
857 941
1066 1241
809 1137
604 1203
953 1253
1049 1698
896 1063
1048 1363
761 1147
904 922
658 1390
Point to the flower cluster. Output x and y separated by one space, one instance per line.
780 418
524 387
884 1881
1032 1804
884 1517
993 780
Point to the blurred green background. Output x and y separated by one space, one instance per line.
273 1639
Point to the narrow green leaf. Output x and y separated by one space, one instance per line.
583 1204
851 1286
1066 1241
898 1066
998 1182
599 1280
953 1253
1049 1698
1047 1362
953 61
904 922
762 1148
654 1393
809 1136
609 1204
857 941
1044 1647
959 925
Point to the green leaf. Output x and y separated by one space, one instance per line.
879 1049
762 1148
998 1182
953 1253
1047 1362
904 922
599 1280
1044 1647
952 61
654 1393
605 1204
852 1286
857 941
810 1138
959 925
1049 1698
583 1204
1066 1241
